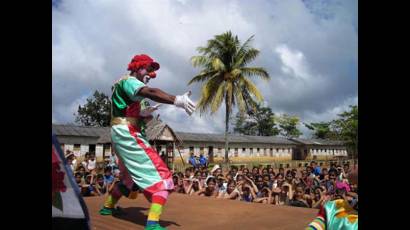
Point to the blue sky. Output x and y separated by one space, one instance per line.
308 47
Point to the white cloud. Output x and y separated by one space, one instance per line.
293 62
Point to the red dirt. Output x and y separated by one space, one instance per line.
188 212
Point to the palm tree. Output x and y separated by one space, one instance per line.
223 62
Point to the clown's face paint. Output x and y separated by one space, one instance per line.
146 79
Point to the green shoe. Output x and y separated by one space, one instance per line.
111 211
154 227
106 211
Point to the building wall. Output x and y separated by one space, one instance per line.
326 152
81 145
277 152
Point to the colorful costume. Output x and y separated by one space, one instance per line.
334 215
139 163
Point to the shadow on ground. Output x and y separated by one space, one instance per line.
136 216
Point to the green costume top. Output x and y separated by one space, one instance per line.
124 94
126 102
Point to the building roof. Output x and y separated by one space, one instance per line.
156 129
317 141
73 130
220 138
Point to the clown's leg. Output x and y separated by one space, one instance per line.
157 200
126 187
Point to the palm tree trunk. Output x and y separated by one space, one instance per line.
226 133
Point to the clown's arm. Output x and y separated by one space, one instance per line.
160 96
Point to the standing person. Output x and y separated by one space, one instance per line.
315 168
92 163
203 161
142 164
192 161
84 163
70 160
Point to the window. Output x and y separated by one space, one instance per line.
271 152
219 150
201 150
251 151
265 152
277 150
191 149
76 148
236 152
257 150
243 149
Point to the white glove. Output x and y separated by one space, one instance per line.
149 110
184 102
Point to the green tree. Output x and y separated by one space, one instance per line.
260 123
288 125
347 128
322 130
226 76
96 111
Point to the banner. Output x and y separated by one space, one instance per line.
68 208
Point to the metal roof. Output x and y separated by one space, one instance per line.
156 127
317 141
232 138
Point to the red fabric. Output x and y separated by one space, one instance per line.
143 61
57 176
160 186
159 200
322 212
133 110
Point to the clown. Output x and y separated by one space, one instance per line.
140 165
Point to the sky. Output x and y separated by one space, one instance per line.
309 48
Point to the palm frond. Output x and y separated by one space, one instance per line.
240 99
208 92
255 71
199 61
219 96
202 76
248 56
252 89
218 65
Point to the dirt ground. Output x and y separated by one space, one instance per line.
187 212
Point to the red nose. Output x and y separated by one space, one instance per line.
152 74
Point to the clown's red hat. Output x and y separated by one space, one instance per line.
144 61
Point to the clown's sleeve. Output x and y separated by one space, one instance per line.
131 87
